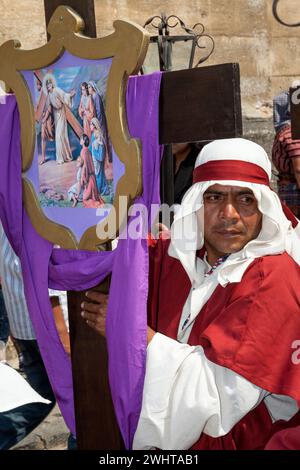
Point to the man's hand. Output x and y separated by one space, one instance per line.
94 310
94 313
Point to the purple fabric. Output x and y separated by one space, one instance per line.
45 266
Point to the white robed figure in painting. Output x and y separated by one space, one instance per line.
57 99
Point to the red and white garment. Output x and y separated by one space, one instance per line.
219 372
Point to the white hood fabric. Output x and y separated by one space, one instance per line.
277 234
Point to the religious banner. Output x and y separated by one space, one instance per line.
70 96
78 160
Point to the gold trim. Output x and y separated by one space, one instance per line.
127 46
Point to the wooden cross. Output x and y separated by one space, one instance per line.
195 105
71 119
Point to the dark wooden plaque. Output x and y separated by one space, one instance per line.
200 104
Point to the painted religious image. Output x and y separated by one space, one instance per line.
74 150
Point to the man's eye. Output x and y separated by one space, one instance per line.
247 199
212 197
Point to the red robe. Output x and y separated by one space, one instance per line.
248 327
288 439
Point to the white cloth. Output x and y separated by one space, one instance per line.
200 292
15 391
276 236
58 99
185 394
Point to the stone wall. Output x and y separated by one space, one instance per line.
244 31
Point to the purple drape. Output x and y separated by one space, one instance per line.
45 266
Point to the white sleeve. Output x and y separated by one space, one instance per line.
185 394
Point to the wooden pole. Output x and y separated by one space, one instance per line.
96 425
197 104
85 8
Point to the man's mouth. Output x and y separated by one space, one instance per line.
227 233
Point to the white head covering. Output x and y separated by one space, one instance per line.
277 234
94 86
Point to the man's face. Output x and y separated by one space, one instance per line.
231 220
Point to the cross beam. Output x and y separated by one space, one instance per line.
197 104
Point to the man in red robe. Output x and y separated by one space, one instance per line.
224 311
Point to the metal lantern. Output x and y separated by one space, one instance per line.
174 52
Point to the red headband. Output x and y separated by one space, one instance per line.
238 171
230 170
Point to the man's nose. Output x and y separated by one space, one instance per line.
229 212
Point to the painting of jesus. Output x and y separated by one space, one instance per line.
72 137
